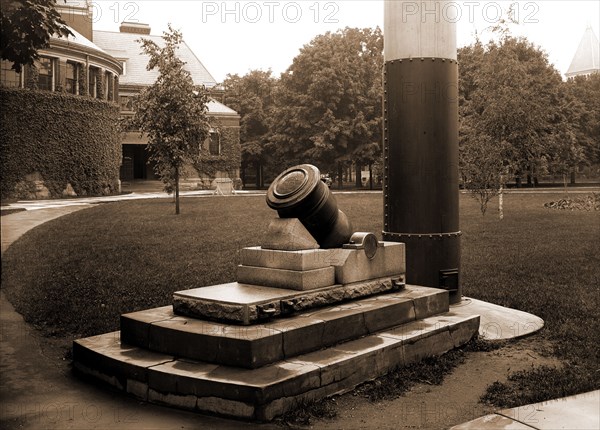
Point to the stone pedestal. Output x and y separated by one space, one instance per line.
256 351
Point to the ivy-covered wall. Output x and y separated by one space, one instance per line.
228 160
56 144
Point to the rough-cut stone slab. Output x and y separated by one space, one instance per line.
288 279
272 390
288 260
161 330
250 304
353 265
288 234
232 302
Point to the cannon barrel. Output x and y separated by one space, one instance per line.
298 192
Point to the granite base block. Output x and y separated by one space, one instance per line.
287 279
288 234
287 260
353 265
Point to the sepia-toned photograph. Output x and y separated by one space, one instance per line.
310 214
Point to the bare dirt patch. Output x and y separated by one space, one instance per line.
455 401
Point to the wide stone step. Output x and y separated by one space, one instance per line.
161 330
269 391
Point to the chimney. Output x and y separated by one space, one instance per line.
77 15
134 27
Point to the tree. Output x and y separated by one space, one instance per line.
252 96
172 112
26 27
329 101
585 90
511 106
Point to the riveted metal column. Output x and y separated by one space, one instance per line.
421 141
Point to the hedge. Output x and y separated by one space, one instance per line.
54 140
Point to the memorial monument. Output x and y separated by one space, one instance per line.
318 308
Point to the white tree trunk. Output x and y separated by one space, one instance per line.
501 199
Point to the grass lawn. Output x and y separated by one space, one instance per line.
75 275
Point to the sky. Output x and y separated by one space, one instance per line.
232 36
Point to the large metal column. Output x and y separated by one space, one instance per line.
421 141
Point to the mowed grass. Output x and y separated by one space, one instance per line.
75 275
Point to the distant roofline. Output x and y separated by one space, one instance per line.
208 84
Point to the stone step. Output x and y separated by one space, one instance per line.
254 346
264 393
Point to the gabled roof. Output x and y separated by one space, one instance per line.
586 59
123 46
218 107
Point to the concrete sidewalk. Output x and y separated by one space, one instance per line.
38 390
574 412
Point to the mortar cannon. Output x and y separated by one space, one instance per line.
298 192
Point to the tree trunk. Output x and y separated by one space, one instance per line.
358 172
501 199
573 176
340 172
177 190
370 176
258 178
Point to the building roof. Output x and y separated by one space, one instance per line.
123 46
218 107
586 59
77 40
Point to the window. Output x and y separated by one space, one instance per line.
214 143
45 68
8 77
109 86
126 103
93 77
71 76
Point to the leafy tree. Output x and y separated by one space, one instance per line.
564 144
252 96
329 101
510 97
172 112
26 27
585 90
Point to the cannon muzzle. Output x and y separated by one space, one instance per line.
298 192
